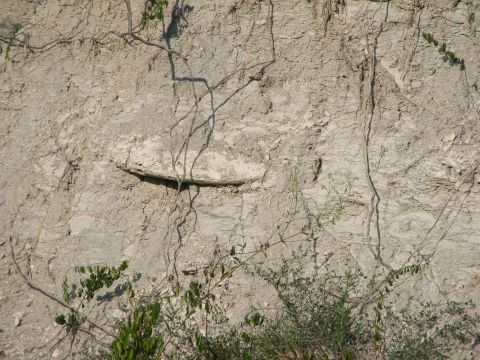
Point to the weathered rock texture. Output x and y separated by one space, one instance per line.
330 110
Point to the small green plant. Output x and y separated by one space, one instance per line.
431 331
154 10
442 49
71 322
99 277
318 320
319 315
322 318
136 338
13 35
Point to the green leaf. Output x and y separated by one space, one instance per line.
208 307
123 266
176 289
222 269
381 302
247 337
155 311
60 319
255 319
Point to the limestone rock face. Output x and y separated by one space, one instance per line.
328 116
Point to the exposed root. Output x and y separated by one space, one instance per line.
369 111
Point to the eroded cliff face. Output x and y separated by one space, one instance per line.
336 111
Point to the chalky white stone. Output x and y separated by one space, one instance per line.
215 168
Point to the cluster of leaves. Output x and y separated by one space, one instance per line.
174 323
322 318
378 309
154 10
99 277
442 49
320 315
71 321
318 320
433 331
136 336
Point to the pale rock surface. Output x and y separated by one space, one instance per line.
203 167
294 133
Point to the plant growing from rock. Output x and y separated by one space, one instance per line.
442 49
154 10
98 278
320 315
13 35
